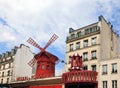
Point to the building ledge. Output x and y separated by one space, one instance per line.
34 82
69 39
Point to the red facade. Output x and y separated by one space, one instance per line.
50 86
45 65
80 76
76 63
77 77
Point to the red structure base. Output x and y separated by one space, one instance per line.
52 86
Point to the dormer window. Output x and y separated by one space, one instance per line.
87 31
72 36
79 34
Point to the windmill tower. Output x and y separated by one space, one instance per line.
45 60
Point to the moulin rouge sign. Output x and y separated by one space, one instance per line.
26 78
32 77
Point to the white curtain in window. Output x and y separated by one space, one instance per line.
94 54
104 68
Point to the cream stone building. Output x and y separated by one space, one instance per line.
99 46
13 64
6 66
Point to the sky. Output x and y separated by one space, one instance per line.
40 19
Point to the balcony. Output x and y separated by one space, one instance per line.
85 59
104 73
93 58
114 71
86 33
80 76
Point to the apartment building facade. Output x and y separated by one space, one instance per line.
6 66
99 46
13 64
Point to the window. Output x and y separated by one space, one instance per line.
2 74
93 54
12 72
43 66
93 67
8 73
85 43
104 69
93 41
114 83
38 67
104 84
87 31
4 66
114 68
85 56
1 81
71 47
85 67
7 80
78 45
94 28
79 34
72 36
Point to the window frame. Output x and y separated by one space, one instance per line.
114 83
94 54
93 41
104 84
104 69
85 56
114 68
77 45
71 47
85 43
85 67
8 73
94 67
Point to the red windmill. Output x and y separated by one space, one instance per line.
45 60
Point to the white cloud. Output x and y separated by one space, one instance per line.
39 19
6 34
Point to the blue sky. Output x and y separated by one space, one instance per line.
39 19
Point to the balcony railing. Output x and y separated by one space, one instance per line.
79 76
83 34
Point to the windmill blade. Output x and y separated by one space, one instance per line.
32 62
52 39
32 42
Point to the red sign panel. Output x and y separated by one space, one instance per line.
54 86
